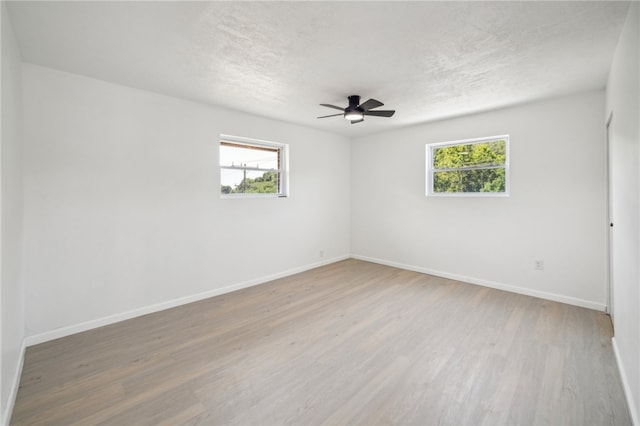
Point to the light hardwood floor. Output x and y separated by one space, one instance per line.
348 343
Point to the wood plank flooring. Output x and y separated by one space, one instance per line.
348 343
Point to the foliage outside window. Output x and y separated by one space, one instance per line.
472 167
252 168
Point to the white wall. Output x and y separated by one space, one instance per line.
12 292
623 100
123 207
556 211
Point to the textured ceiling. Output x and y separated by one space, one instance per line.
426 60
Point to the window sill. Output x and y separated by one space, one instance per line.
243 196
469 194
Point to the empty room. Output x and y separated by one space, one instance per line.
320 212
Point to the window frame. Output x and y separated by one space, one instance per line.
282 170
430 147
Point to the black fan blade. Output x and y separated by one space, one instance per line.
332 115
332 106
371 104
380 113
357 121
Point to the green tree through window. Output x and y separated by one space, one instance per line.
265 184
469 167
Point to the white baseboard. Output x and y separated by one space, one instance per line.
111 319
88 325
15 384
492 284
633 411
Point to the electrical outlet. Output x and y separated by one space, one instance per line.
538 265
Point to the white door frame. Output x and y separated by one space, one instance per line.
609 224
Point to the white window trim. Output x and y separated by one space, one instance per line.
283 171
429 169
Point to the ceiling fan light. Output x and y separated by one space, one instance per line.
353 115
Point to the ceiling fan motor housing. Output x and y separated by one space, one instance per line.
354 102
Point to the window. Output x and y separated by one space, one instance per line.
250 167
472 167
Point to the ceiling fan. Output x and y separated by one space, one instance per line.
355 112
